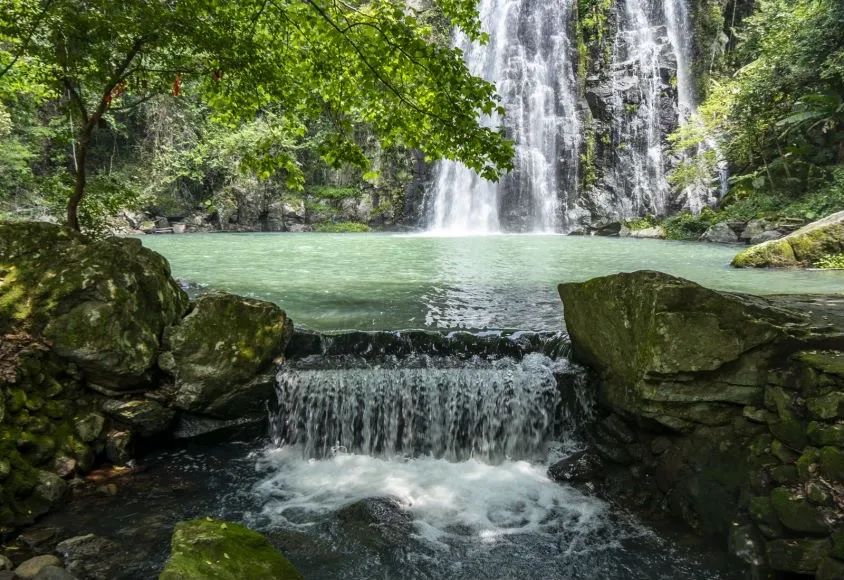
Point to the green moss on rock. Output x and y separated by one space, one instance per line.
102 304
218 352
216 550
805 247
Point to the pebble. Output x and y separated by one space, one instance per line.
30 568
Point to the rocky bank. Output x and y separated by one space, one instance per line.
103 354
724 410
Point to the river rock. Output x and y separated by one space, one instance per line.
102 304
765 237
377 522
5 563
754 228
143 416
796 513
800 555
54 573
30 568
213 549
118 447
581 467
218 352
91 557
803 247
720 233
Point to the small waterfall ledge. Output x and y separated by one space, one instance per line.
489 396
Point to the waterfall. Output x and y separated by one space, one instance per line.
647 90
528 57
434 406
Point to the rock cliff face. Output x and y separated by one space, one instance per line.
726 410
83 326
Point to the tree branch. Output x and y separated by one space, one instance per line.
26 42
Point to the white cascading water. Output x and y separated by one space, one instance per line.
528 57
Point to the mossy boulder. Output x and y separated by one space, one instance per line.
640 329
805 247
102 304
222 354
796 513
798 555
216 550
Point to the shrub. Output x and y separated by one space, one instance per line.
342 228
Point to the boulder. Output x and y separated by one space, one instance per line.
30 568
642 325
92 557
222 355
754 228
377 522
720 233
216 550
145 417
102 304
765 237
581 467
796 513
804 247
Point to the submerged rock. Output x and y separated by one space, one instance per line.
91 557
377 522
217 550
804 247
103 304
218 352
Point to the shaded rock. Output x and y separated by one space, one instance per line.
610 229
143 416
91 557
48 493
36 537
830 569
800 555
796 513
720 233
217 355
766 237
118 447
829 406
30 568
754 228
103 304
89 427
803 247
747 545
210 430
54 573
216 550
5 563
822 434
377 522
582 467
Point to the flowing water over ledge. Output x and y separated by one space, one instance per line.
388 281
413 457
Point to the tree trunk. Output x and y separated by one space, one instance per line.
79 186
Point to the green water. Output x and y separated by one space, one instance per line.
390 281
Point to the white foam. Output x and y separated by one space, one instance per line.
489 502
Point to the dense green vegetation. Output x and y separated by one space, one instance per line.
774 111
97 97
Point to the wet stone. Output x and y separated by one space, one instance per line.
30 568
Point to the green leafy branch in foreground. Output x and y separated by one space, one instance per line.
293 60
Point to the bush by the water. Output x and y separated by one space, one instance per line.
342 228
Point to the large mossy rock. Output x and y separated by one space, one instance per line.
649 332
222 355
102 304
216 550
805 247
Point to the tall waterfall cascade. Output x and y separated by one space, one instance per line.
644 93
